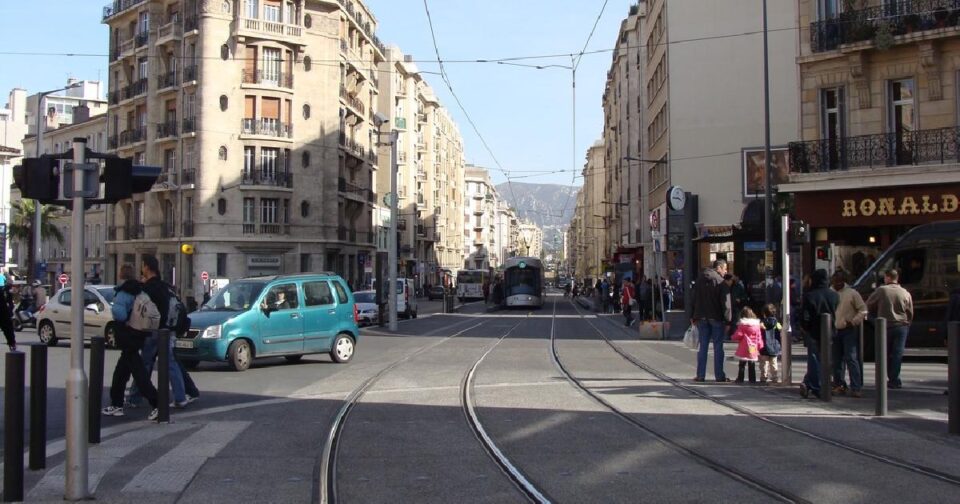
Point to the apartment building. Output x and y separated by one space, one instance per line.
531 240
575 248
594 213
507 234
430 171
877 150
260 113
59 106
480 219
13 127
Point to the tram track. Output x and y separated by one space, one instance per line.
870 454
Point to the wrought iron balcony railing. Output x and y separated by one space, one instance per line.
189 125
141 39
167 129
166 80
189 73
266 127
188 176
168 230
135 232
272 178
899 18
874 151
118 6
190 23
133 136
278 79
135 89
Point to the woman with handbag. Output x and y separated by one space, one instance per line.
626 300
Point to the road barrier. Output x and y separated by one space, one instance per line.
953 373
38 406
13 399
880 336
163 375
97 351
826 366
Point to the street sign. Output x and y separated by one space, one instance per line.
63 279
204 276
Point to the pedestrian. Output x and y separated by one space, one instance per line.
605 295
819 299
730 311
39 296
770 353
953 315
130 342
851 312
644 297
749 334
894 303
626 300
6 321
667 294
709 314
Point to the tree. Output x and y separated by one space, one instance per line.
21 227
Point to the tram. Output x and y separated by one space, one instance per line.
523 282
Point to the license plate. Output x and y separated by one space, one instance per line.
183 344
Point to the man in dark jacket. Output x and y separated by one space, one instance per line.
709 313
6 321
819 299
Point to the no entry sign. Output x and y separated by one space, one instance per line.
63 278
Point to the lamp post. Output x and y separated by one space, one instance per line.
380 120
768 176
34 272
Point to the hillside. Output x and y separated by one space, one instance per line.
549 206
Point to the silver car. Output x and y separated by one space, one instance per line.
53 318
367 312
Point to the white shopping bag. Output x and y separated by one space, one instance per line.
691 338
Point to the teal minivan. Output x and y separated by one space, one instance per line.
285 315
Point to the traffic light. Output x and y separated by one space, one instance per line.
121 179
799 232
37 179
823 254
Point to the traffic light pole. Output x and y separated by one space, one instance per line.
392 238
77 487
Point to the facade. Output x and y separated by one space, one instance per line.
59 106
531 240
507 232
13 127
430 171
877 150
595 214
480 220
261 115
57 255
576 246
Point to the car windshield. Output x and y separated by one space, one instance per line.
107 294
364 297
236 296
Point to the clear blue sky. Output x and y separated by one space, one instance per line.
524 114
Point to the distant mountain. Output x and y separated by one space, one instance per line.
549 206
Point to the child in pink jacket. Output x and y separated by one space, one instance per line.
750 335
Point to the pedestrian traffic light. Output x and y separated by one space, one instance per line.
799 232
121 179
37 179
823 254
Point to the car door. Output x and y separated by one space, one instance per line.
319 315
60 313
93 322
280 321
344 306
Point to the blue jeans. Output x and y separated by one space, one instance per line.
710 330
896 343
812 378
846 353
149 353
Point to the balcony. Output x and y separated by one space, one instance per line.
421 117
167 129
352 101
167 80
936 146
353 191
141 39
267 178
135 232
372 157
401 157
269 30
261 78
132 136
119 6
189 73
903 17
125 48
266 127
169 32
401 123
249 228
342 233
113 142
190 23
274 229
113 97
137 88
189 125
188 177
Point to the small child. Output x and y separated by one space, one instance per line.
750 336
769 368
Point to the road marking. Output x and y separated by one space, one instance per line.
102 458
172 472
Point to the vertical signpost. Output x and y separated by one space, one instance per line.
64 279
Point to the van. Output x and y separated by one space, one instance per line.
928 259
406 297
285 315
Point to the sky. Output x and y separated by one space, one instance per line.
525 115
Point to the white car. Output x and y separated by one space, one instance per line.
53 318
367 310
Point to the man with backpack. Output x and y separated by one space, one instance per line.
130 309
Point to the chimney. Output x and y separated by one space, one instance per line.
81 113
408 58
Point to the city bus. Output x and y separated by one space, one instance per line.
470 284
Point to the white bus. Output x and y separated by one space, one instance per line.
470 284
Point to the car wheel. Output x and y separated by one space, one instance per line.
46 333
190 364
17 325
239 355
293 358
406 313
343 348
414 314
110 335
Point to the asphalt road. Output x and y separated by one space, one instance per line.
610 432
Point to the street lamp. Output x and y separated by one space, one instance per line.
34 271
380 120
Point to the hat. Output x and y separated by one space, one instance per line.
35 283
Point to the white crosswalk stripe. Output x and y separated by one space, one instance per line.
174 470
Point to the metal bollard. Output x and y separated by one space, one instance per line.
13 399
97 350
38 406
163 375
826 364
953 373
880 364
860 350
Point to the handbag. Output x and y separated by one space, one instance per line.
691 338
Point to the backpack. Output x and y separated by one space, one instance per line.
144 316
176 318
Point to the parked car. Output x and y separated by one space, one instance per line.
53 318
367 311
286 315
406 298
435 292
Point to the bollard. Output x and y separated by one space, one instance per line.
860 350
13 428
880 366
97 349
163 375
953 374
826 366
38 406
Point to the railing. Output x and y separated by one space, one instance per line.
421 117
118 6
113 97
344 47
126 47
266 127
401 157
190 23
249 228
278 79
167 129
274 228
270 27
271 178
112 142
189 176
899 18
189 125
112 232
171 29
342 233
137 88
133 136
352 189
189 73
353 101
187 228
135 232
401 122
141 39
372 156
871 151
166 80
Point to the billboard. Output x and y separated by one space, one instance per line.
754 169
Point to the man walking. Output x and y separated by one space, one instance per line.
894 303
709 307
626 299
851 311
819 299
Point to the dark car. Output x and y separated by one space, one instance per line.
435 292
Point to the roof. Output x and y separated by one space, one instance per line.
292 276
9 150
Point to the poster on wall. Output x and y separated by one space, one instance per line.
754 169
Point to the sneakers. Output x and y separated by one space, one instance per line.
839 390
153 415
804 391
112 411
191 398
698 379
179 405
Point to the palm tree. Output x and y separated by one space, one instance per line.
21 227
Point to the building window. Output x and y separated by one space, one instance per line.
224 101
221 265
307 62
221 206
828 9
271 12
249 156
249 214
269 210
304 263
222 153
902 114
832 123
268 163
304 209
271 66
306 111
306 159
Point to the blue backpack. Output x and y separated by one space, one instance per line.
771 337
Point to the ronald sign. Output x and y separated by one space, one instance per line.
901 206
